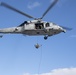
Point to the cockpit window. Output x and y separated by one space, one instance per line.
47 24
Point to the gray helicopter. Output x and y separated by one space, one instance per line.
34 27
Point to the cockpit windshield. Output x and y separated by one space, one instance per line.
54 24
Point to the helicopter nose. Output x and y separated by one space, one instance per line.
63 30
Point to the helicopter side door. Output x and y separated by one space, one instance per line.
29 26
39 25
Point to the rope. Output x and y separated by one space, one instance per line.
40 61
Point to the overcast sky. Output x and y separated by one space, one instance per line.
56 56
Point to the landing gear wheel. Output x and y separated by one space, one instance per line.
45 37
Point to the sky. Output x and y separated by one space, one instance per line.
56 56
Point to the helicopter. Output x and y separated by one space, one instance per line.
36 26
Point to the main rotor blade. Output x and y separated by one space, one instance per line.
55 1
16 10
67 28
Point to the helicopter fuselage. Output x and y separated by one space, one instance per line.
33 28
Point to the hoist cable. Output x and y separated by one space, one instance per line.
40 61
